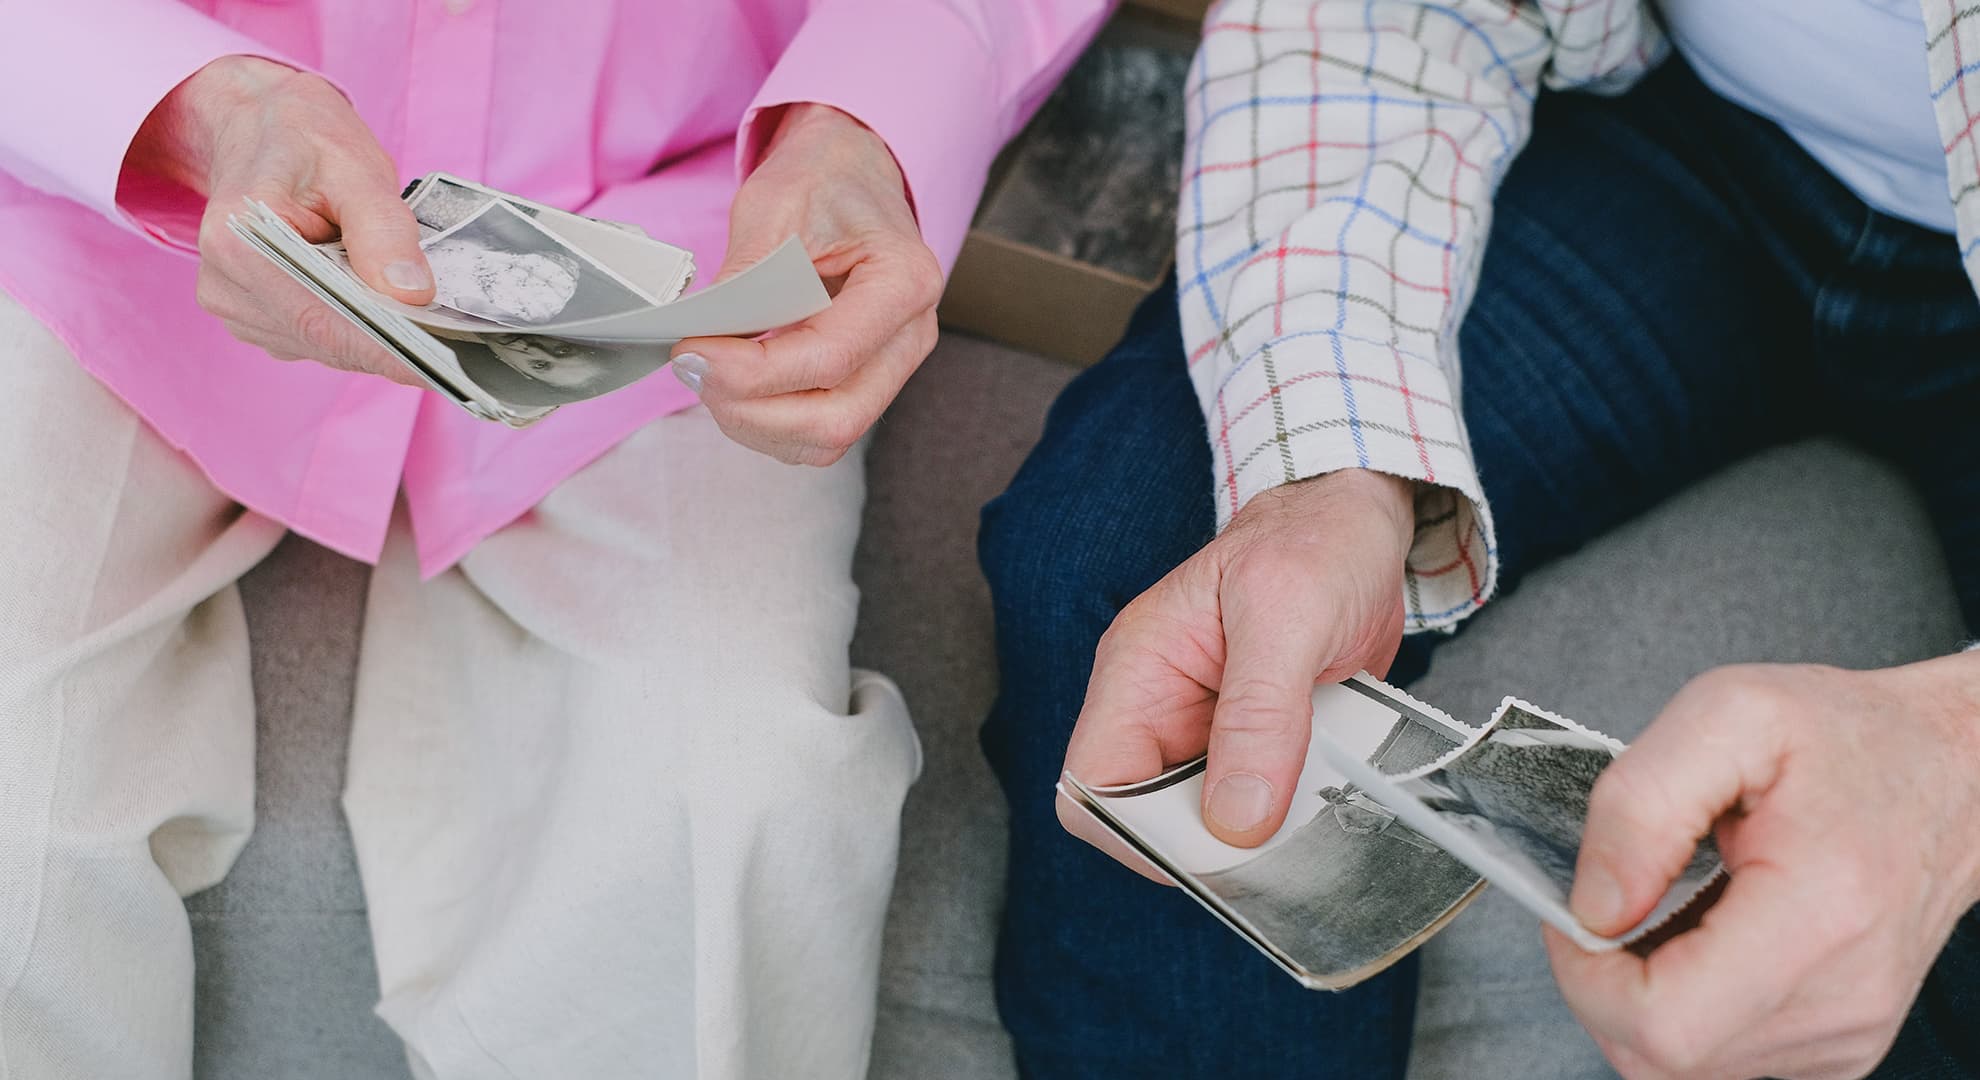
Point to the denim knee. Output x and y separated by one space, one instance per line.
1117 491
1114 496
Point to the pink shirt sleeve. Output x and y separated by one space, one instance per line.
945 82
97 68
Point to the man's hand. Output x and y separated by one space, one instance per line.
1305 586
807 394
245 127
1846 805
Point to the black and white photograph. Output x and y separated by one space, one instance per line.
1353 885
1094 176
533 370
440 204
501 266
1401 815
1522 793
1426 740
1344 887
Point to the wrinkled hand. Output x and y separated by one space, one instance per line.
808 393
1846 806
245 127
1305 586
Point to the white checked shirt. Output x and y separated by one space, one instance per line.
1342 157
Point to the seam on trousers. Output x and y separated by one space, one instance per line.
8 987
474 1037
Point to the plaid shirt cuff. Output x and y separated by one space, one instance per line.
1382 410
1336 195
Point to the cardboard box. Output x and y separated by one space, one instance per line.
1077 223
1176 9
1039 301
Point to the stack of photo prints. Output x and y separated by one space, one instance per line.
1401 815
537 307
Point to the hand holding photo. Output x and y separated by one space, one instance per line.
1344 888
1401 814
538 307
1513 806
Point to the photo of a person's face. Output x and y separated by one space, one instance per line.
562 364
507 287
533 370
502 266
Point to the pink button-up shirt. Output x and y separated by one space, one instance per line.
644 112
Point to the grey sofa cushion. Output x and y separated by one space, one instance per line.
285 980
1811 552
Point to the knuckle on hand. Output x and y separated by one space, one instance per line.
832 363
1889 996
1263 568
1623 793
923 334
924 279
317 325
210 293
1666 1042
746 436
835 431
213 233
1744 693
819 457
1853 905
1256 707
1119 635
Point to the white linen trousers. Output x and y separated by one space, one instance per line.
620 805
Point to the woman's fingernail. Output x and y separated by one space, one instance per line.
690 368
1240 801
408 275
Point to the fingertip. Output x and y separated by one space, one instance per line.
1105 753
695 346
1081 823
1597 900
1251 839
1243 808
1594 983
1257 752
409 279
1561 949
701 346
1645 815
381 237
722 350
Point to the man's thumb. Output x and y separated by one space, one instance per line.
1650 807
1258 738
382 240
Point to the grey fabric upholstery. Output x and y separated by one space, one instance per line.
1810 553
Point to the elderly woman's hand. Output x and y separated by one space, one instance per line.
250 128
807 394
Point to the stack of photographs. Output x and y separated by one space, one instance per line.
537 307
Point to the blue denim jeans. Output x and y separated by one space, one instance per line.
1670 284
